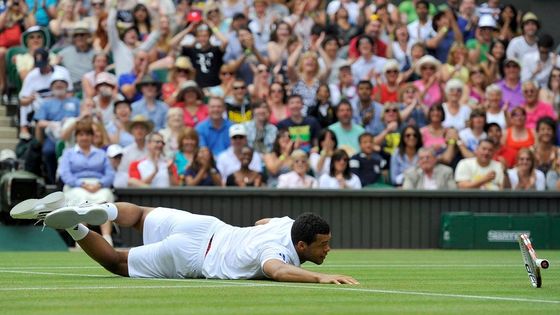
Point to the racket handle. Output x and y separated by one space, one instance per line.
543 263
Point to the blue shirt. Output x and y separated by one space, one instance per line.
125 138
375 126
74 166
158 115
54 109
129 78
40 15
217 140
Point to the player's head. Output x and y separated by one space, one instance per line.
311 235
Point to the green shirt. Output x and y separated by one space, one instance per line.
408 8
484 48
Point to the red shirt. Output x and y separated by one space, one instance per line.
386 95
380 48
508 154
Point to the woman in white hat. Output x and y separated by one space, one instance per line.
429 83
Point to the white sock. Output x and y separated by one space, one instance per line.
112 211
78 232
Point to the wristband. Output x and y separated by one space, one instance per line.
451 141
282 157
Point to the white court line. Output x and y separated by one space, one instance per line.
312 266
48 267
234 283
121 287
421 266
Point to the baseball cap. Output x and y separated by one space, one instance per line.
508 60
41 57
487 21
105 78
59 76
113 150
194 16
237 130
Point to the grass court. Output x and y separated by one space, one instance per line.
392 281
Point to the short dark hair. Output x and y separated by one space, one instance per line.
368 83
548 121
307 226
295 96
424 2
365 135
490 125
545 41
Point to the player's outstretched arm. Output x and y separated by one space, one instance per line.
280 271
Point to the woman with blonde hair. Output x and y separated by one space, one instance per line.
298 177
305 76
525 176
61 27
100 135
455 66
475 90
553 175
173 130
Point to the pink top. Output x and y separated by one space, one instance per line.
542 109
433 96
193 120
438 144
274 120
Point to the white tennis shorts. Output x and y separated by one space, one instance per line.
175 244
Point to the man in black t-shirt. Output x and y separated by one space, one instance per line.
206 59
368 164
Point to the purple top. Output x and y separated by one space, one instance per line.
513 96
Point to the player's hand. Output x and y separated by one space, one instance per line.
338 279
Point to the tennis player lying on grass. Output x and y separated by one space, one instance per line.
179 244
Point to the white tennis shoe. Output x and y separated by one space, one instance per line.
68 217
38 208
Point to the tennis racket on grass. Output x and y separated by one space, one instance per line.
533 264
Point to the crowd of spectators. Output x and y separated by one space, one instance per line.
336 94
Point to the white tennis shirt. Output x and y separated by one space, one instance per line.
240 253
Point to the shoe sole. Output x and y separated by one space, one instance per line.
68 217
27 209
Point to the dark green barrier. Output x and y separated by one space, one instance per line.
466 230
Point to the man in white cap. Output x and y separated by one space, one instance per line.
228 161
480 45
115 154
49 119
526 42
103 102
